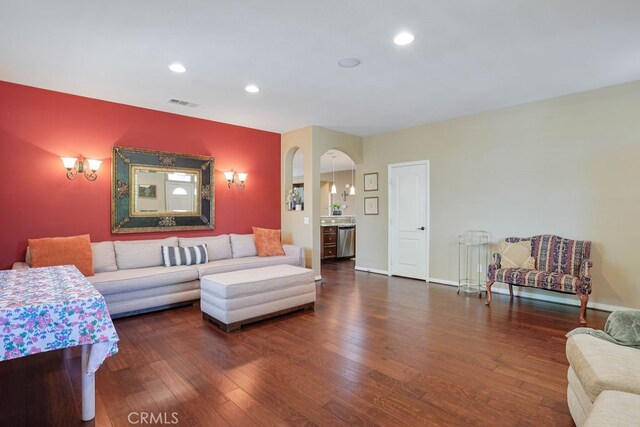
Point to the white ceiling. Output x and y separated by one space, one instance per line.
468 56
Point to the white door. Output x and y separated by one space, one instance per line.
409 220
180 196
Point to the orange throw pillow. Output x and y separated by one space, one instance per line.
268 242
75 250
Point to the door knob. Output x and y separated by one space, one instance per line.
420 228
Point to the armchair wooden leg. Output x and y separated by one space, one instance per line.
489 283
511 290
584 299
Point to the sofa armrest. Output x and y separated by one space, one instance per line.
20 266
496 259
584 287
292 250
495 264
585 269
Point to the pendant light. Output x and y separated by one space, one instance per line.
334 190
352 190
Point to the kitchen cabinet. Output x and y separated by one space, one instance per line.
329 242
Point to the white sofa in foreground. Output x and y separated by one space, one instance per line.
604 382
131 276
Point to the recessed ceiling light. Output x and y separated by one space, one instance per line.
349 62
403 39
177 68
252 89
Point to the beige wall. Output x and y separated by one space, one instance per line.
294 230
314 141
566 166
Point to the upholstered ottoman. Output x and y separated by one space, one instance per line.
236 298
596 366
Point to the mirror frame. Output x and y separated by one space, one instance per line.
122 221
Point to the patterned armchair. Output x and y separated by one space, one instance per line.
562 265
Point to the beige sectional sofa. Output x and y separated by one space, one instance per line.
604 382
131 276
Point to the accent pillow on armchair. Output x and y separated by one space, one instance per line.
516 255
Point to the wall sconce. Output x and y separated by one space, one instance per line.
237 178
81 165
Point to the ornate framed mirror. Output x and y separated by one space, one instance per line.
161 191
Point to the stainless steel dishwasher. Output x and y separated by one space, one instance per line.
346 241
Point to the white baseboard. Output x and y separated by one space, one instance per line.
317 278
443 281
537 294
372 270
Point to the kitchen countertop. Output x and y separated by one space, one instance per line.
344 220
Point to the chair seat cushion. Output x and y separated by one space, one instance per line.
538 279
602 365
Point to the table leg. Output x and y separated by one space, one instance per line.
88 387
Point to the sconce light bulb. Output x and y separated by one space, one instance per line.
242 176
69 162
228 176
94 165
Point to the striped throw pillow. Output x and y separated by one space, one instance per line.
177 255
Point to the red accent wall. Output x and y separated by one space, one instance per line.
38 126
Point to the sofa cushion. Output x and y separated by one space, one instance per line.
74 250
602 365
243 245
151 292
268 242
539 279
516 255
224 265
614 408
134 279
104 257
184 255
141 253
218 247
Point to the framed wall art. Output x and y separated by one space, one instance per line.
371 181
147 191
371 205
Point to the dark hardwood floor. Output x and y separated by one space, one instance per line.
376 351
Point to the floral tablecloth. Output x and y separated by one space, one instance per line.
50 308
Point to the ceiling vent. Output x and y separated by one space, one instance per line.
183 103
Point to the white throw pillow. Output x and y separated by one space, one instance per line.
516 255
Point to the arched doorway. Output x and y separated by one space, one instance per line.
337 206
